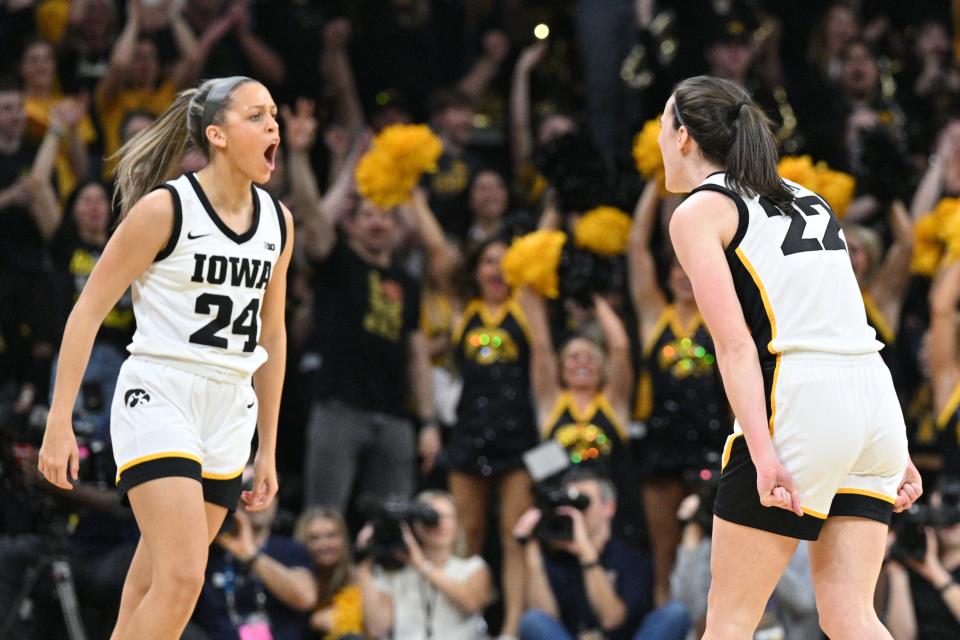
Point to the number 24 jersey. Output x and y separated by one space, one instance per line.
793 276
199 303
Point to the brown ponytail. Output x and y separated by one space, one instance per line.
734 133
153 155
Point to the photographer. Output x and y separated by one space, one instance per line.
436 595
792 610
256 582
595 585
86 526
923 596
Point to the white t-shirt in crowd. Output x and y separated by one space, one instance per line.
421 612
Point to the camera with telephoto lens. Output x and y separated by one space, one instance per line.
910 526
386 516
548 464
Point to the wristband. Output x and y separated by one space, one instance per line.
946 586
590 565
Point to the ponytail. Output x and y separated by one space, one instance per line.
734 133
153 156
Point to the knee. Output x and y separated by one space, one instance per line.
181 581
732 619
841 620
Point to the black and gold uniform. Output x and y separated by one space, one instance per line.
594 437
680 398
495 419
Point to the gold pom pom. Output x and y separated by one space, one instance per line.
532 260
936 238
604 230
836 187
389 171
646 153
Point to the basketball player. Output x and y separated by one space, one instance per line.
819 447
207 254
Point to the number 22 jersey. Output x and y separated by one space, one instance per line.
793 276
198 305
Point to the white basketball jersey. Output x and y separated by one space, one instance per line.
793 276
199 303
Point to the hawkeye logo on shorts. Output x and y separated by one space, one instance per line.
133 397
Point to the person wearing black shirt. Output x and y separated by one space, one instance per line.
29 214
256 582
371 352
594 583
75 250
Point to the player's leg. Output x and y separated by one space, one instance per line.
176 556
139 574
661 499
845 563
746 565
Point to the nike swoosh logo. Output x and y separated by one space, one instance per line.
251 404
190 236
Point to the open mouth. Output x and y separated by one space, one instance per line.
270 155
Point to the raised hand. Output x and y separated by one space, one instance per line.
299 125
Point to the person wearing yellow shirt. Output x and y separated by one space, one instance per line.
134 80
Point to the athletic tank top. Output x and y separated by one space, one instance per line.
680 394
793 275
593 438
198 304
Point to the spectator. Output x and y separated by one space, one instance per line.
883 277
29 215
371 350
495 422
932 80
582 395
680 397
594 583
791 613
229 44
83 51
99 546
838 27
607 31
488 202
75 250
134 80
923 591
942 177
945 363
39 73
451 114
437 593
339 612
257 582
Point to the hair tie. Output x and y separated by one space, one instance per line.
215 97
734 113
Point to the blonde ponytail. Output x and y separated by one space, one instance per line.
153 156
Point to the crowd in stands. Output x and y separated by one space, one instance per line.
417 378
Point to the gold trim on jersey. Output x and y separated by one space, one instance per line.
599 401
877 320
728 448
949 409
763 296
662 322
869 494
511 306
773 394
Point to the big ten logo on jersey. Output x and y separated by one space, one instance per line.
384 315
485 345
803 211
